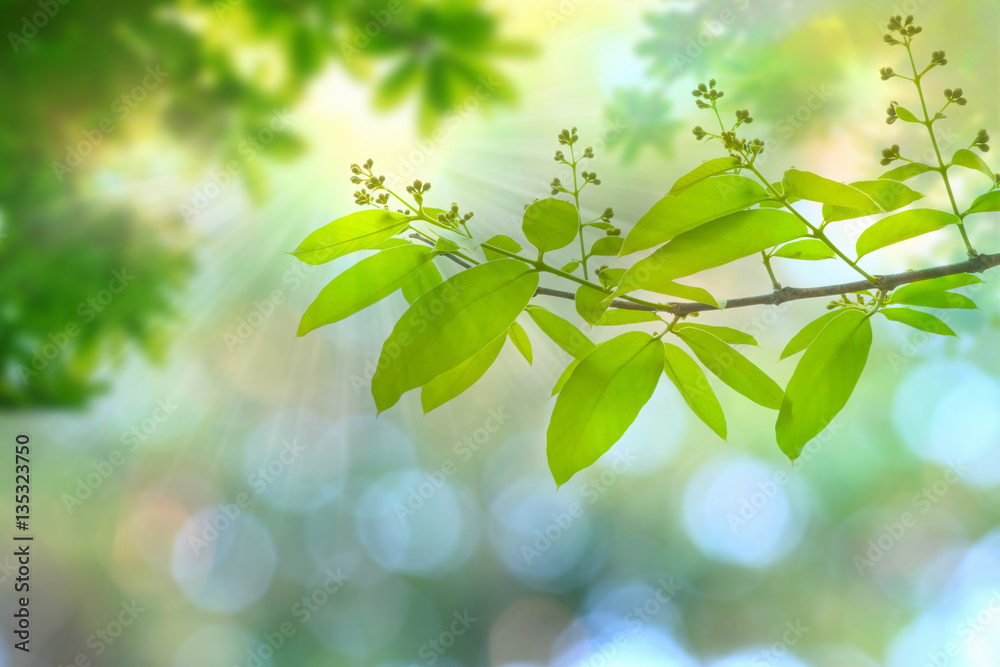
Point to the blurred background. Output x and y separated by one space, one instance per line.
209 490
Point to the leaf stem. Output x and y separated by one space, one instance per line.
815 230
770 271
942 169
579 214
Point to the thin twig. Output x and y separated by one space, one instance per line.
887 282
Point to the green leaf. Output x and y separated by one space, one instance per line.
725 334
571 267
591 304
714 244
918 320
452 383
599 401
562 332
449 324
732 367
393 242
607 246
906 172
444 246
367 282
812 187
703 201
888 195
823 380
902 226
520 340
807 334
426 279
936 300
985 203
905 114
694 388
939 284
611 277
703 171
808 249
550 224
502 242
357 231
561 382
618 316
778 187
670 288
963 157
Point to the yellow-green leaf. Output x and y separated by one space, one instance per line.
702 202
451 384
918 320
550 224
906 172
732 368
725 334
694 388
965 158
823 380
367 282
426 279
356 231
503 243
591 304
703 171
902 226
812 187
807 334
449 324
713 244
985 203
562 332
599 401
806 249
521 341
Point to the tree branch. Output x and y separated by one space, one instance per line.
887 282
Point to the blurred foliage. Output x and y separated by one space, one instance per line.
778 55
79 77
